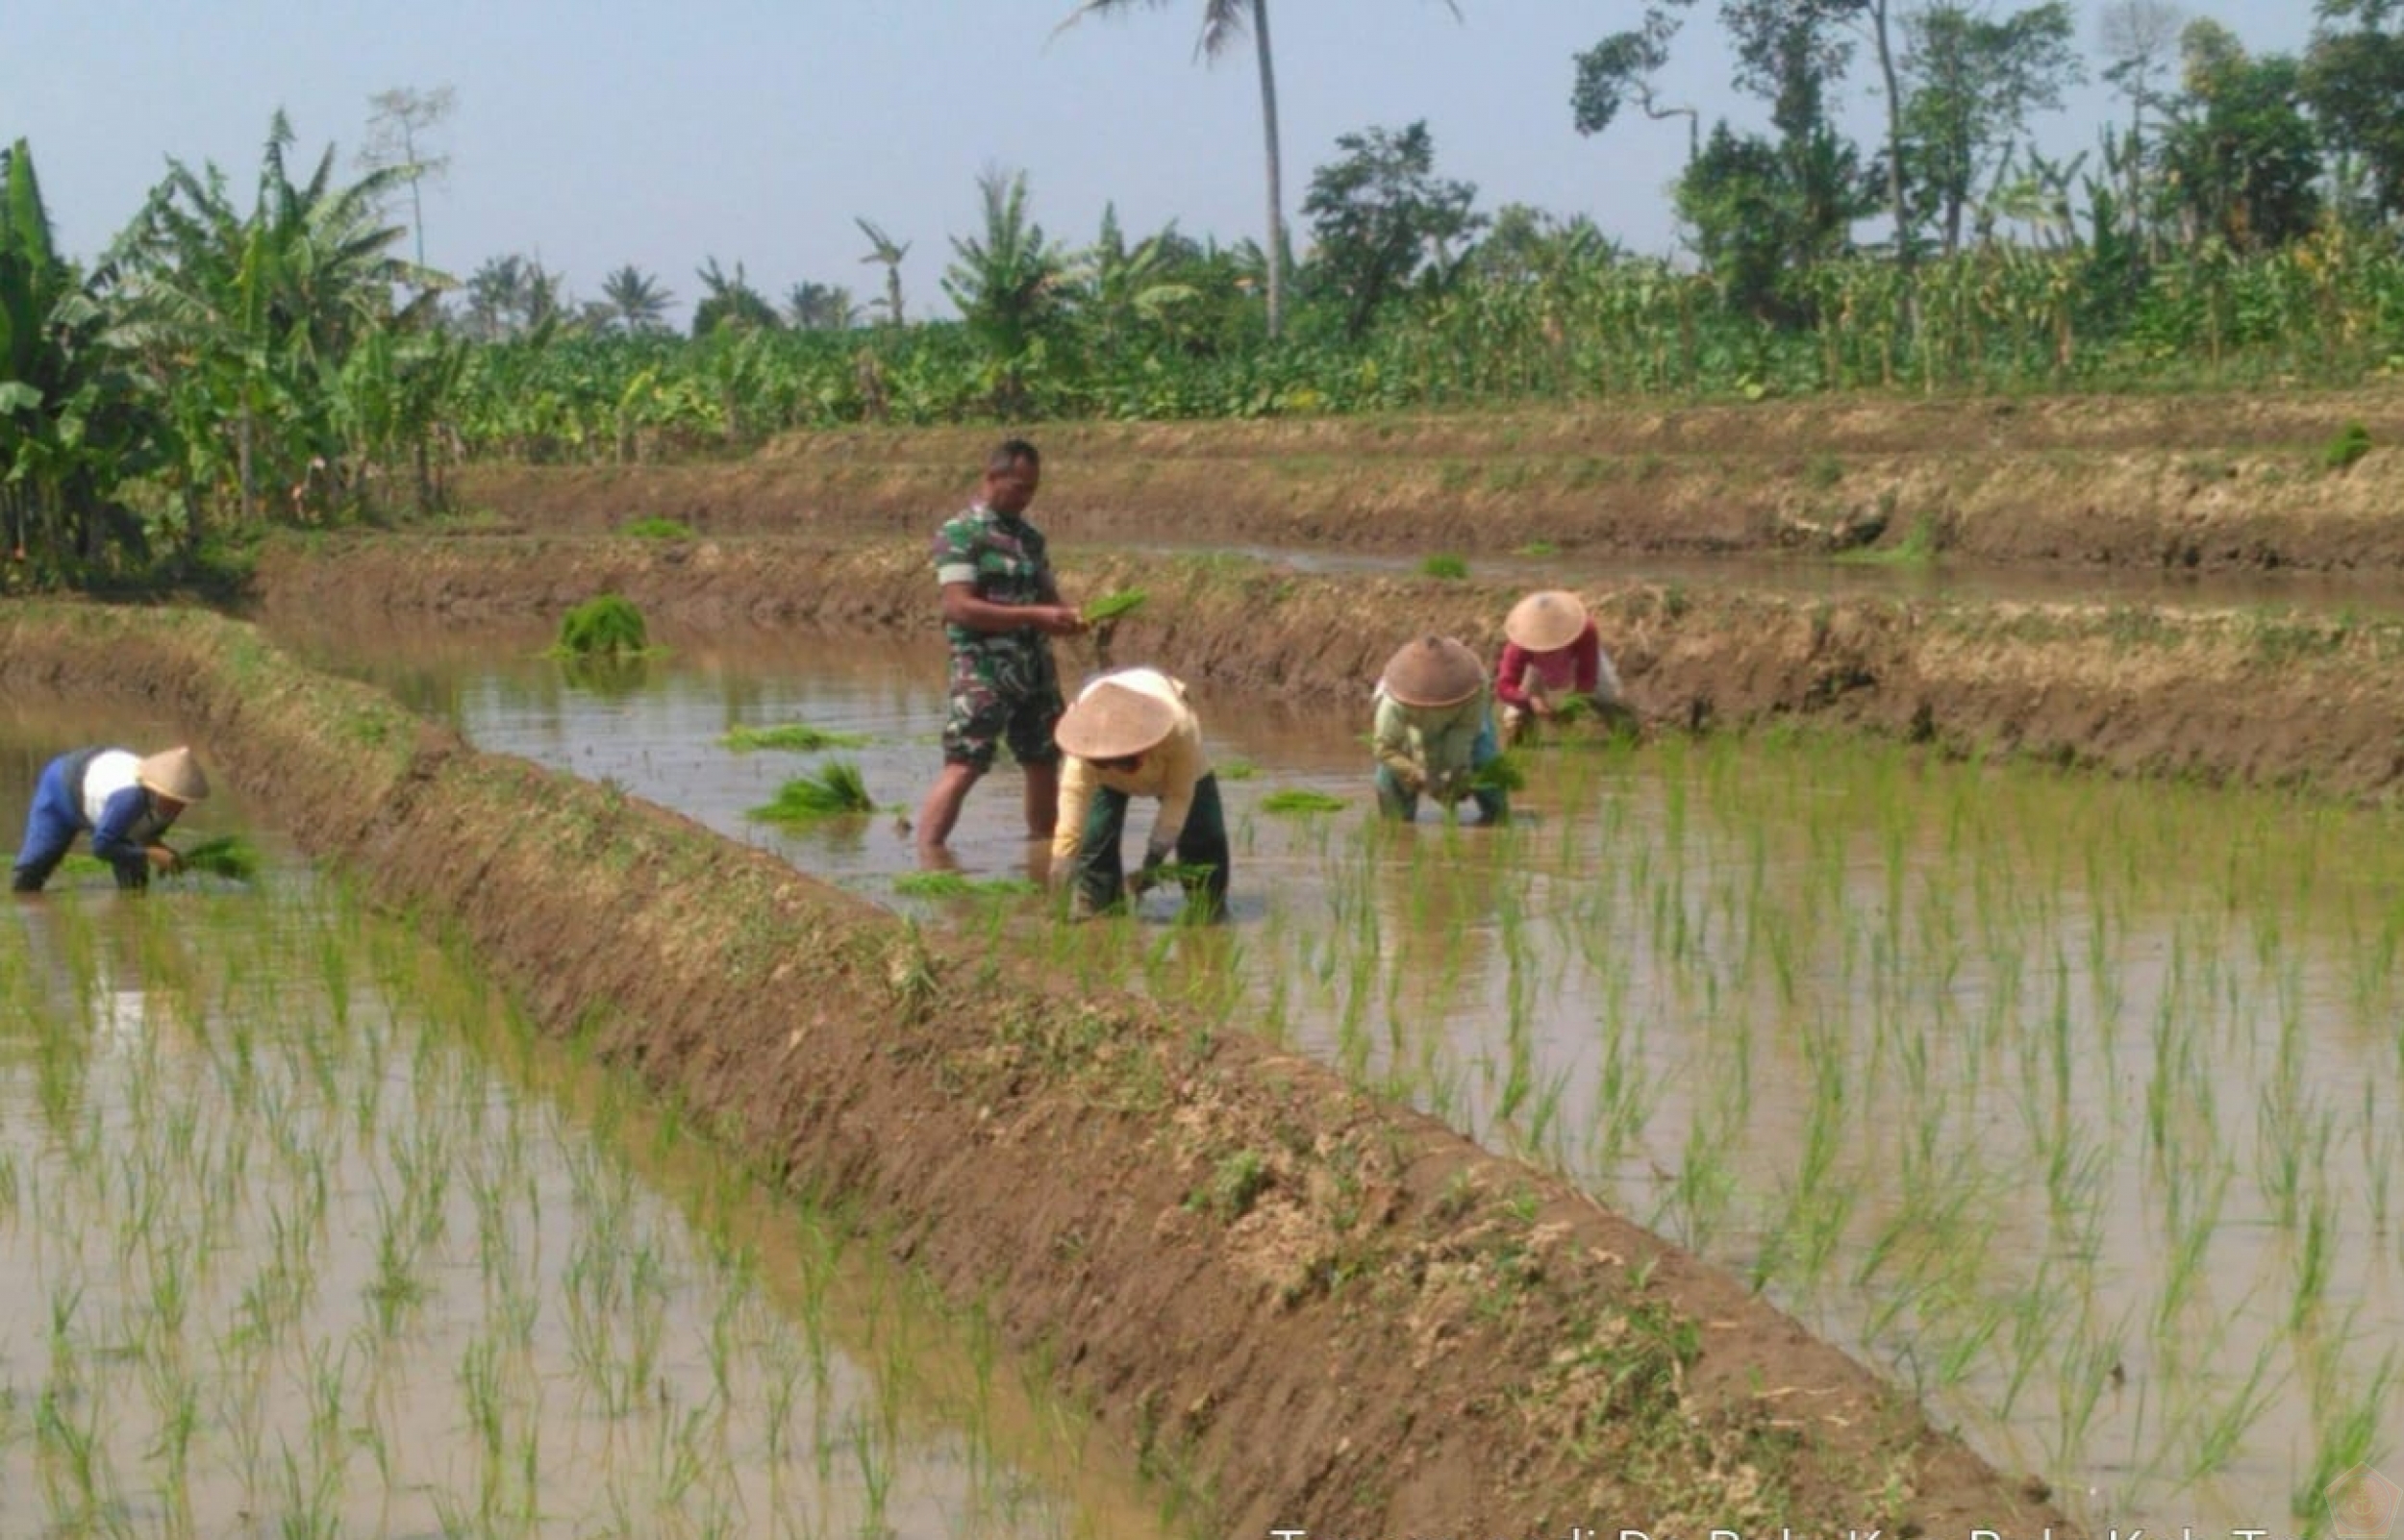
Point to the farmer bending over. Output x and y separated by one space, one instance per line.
124 801
1132 735
1432 730
1550 652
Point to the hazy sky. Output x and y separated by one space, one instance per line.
601 134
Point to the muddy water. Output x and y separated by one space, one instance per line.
2068 1103
303 1232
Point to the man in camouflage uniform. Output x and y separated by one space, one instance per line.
1001 609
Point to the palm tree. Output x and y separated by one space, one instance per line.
885 250
636 301
1223 21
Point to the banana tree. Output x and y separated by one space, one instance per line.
252 315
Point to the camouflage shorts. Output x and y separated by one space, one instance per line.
1002 697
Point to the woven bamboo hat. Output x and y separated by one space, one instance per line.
173 773
1546 620
1433 671
1111 722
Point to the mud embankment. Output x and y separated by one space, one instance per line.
2234 697
2229 482
1318 1311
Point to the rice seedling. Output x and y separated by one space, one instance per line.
228 855
656 526
835 791
1300 800
605 626
797 736
960 884
1446 566
1117 604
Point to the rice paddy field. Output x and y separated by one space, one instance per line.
2068 1103
305 1232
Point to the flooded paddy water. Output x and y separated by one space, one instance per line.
304 1231
2065 1103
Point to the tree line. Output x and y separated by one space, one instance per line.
238 360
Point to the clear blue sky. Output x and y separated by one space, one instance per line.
601 134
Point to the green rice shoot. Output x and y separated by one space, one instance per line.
800 736
1235 769
835 791
1300 800
1505 772
608 625
1115 605
1444 565
228 855
656 526
959 885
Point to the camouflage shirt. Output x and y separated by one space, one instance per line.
1002 559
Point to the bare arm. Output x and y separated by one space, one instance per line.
963 607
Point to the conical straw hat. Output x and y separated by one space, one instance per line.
1111 722
1433 671
1546 620
173 773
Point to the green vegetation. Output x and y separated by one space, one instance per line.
835 791
1300 800
657 528
2233 231
959 885
2351 444
1444 564
1505 772
228 856
606 626
1111 606
798 737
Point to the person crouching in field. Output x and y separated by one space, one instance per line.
1434 730
1131 733
125 800
1551 655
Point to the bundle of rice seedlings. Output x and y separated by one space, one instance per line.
1300 800
606 626
1444 564
835 792
1114 606
1503 773
1235 769
656 526
223 855
800 736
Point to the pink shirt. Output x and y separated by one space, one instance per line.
1579 665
